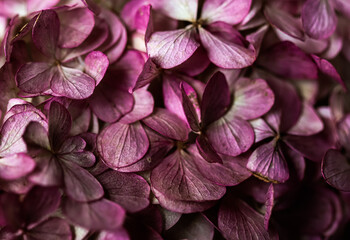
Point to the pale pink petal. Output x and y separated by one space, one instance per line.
16 166
185 10
96 64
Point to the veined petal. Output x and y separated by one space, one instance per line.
121 145
169 49
177 178
96 64
226 54
319 18
268 163
336 170
15 166
53 228
229 11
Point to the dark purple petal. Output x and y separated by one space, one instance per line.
237 220
149 72
252 98
169 218
39 203
96 64
336 170
185 10
127 189
53 228
35 77
121 145
79 184
229 11
309 122
191 106
206 150
230 135
215 105
196 64
284 21
143 107
59 124
344 132
268 163
15 166
168 124
226 54
46 31
319 18
99 215
287 60
177 178
169 49
75 26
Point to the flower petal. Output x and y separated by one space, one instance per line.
214 105
15 166
177 178
168 124
268 163
185 10
79 184
226 54
230 135
75 26
237 220
96 64
169 49
46 31
121 145
229 11
99 215
53 228
127 189
319 18
336 170
252 98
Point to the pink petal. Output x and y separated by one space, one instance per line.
15 166
268 163
168 124
229 173
215 105
226 54
185 10
99 215
252 98
75 26
143 107
149 72
72 83
191 106
177 178
269 205
230 135
196 64
229 11
96 64
127 189
237 220
53 228
284 21
46 31
261 129
169 49
309 123
319 19
344 132
121 145
206 150
79 184
336 170
37 5
287 60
